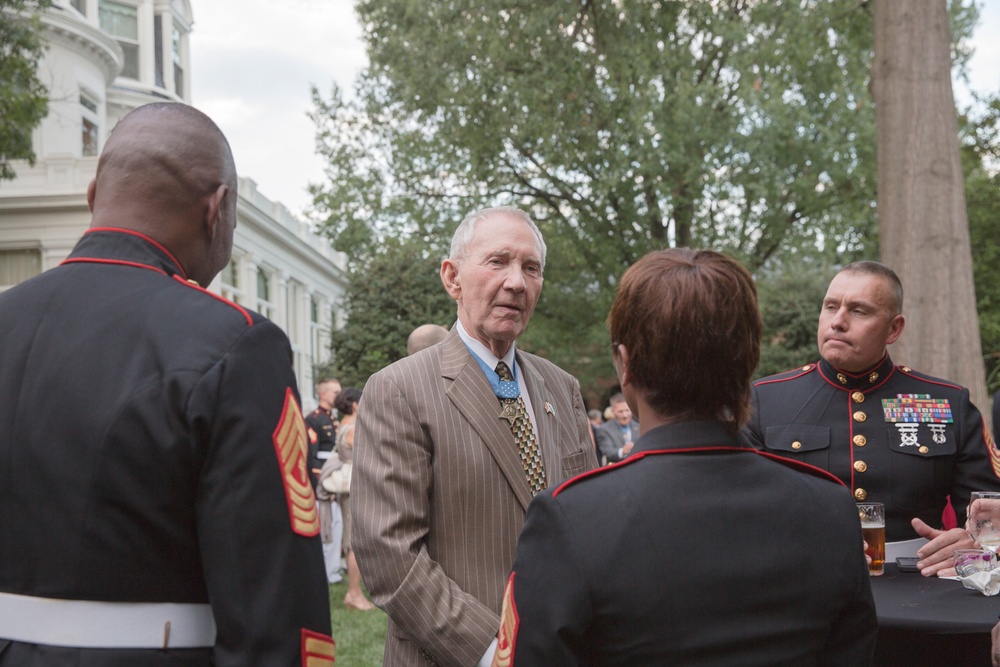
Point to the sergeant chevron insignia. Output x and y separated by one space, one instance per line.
289 439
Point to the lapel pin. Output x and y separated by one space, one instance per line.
548 409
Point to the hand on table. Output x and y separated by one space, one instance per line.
936 556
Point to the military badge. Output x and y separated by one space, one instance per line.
909 411
289 439
917 408
507 636
317 650
908 434
991 445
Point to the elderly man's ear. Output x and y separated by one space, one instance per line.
449 278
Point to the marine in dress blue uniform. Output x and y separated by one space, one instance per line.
696 550
891 434
322 437
152 448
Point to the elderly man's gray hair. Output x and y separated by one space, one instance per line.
463 235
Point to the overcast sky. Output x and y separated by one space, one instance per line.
253 62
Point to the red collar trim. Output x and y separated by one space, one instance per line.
156 244
94 260
803 467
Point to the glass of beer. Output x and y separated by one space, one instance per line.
873 529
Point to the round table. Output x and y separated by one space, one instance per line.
931 621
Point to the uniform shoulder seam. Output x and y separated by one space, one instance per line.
793 374
240 309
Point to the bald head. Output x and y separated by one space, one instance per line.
424 336
167 171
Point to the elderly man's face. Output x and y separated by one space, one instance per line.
498 282
857 321
622 413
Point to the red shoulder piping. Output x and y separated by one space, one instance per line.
804 467
922 379
241 309
804 371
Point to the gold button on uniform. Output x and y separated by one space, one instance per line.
860 440
923 449
860 494
796 445
858 397
860 416
860 466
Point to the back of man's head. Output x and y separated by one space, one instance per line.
162 155
690 322
164 166
424 337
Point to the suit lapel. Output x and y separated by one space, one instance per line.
471 394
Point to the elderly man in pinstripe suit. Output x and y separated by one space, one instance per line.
453 442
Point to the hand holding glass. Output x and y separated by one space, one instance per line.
872 517
983 523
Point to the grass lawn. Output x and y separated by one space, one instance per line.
360 635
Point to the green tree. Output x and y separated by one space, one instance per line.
981 164
391 292
23 97
789 307
621 126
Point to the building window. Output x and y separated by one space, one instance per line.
90 125
230 278
80 6
122 21
158 51
319 338
176 54
18 265
265 306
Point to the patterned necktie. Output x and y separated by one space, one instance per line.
516 414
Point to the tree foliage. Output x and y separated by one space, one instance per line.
981 163
621 126
789 307
23 97
391 292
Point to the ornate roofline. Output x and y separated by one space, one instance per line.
71 31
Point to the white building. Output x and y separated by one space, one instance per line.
105 58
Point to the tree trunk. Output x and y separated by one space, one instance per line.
923 228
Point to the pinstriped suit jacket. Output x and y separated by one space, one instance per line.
439 495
